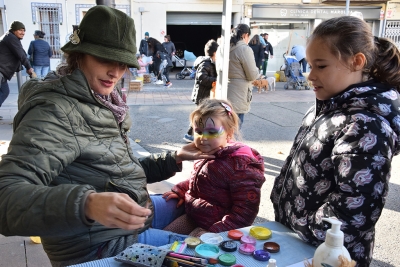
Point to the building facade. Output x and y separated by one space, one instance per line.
191 23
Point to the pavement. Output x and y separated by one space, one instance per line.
160 119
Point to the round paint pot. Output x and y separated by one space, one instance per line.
226 259
261 255
192 242
246 239
237 265
247 249
259 232
207 251
211 238
235 234
272 247
228 246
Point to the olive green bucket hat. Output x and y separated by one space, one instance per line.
106 33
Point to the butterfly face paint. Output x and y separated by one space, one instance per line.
209 133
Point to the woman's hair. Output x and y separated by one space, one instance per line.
40 34
255 40
210 48
153 44
168 38
346 36
237 33
73 61
215 107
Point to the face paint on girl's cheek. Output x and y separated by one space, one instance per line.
209 132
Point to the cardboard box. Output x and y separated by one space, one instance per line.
135 85
146 78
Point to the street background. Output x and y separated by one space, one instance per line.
160 119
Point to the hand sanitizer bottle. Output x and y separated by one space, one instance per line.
327 254
271 263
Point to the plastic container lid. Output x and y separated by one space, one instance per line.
247 249
226 259
246 239
259 232
261 255
192 242
272 247
228 246
207 251
211 238
235 234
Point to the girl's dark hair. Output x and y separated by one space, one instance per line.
255 40
168 38
210 48
237 33
346 36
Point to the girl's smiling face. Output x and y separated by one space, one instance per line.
209 133
329 75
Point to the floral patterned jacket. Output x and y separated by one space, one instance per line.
339 166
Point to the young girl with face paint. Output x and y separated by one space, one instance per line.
223 193
339 165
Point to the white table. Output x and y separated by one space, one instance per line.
292 249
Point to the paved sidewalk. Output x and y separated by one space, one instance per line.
20 251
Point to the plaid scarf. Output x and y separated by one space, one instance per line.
114 102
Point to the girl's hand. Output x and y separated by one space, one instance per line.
191 152
169 195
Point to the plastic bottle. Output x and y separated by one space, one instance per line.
272 263
329 251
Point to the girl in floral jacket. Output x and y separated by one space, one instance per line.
223 193
339 165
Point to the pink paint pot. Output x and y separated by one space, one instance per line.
247 249
246 239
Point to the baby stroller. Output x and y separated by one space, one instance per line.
294 75
186 71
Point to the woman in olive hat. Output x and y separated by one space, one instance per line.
70 176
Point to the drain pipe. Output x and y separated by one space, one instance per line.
109 3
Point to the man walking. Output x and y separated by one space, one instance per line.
144 47
12 56
268 51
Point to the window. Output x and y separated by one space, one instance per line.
48 17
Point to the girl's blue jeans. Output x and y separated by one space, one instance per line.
164 213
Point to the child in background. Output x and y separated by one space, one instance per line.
206 76
223 193
143 66
339 165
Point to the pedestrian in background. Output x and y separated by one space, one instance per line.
169 46
258 50
300 53
268 52
206 76
153 48
40 53
12 56
340 162
143 48
242 71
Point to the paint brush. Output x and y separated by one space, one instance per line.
185 261
188 257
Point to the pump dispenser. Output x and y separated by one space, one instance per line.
329 251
